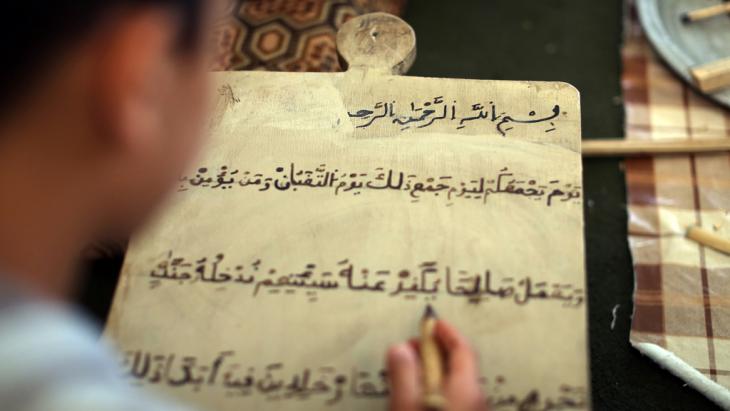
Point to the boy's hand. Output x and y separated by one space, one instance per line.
461 388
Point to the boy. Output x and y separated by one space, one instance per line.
102 107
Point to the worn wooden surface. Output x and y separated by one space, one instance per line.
626 147
204 332
712 76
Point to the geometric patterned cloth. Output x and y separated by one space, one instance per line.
288 35
682 292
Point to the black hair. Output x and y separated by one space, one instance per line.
33 31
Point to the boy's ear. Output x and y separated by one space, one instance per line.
131 72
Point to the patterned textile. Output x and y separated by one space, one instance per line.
682 295
288 35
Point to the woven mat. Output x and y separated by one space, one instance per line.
682 294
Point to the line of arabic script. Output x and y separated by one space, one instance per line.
276 382
428 280
435 110
446 187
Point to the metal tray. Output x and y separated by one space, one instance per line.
686 45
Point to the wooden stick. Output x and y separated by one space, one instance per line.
705 13
433 369
709 239
712 76
622 147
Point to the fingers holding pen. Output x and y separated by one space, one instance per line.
439 370
461 385
461 359
404 370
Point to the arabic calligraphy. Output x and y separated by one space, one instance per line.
568 398
293 178
226 100
427 280
276 382
243 381
436 109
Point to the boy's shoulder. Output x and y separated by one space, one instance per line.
51 358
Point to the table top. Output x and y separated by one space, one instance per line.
577 42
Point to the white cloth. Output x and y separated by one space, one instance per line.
51 359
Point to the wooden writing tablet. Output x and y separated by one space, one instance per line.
328 209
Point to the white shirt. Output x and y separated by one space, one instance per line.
52 360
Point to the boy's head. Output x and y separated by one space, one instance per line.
102 103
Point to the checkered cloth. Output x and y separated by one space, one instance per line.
682 295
